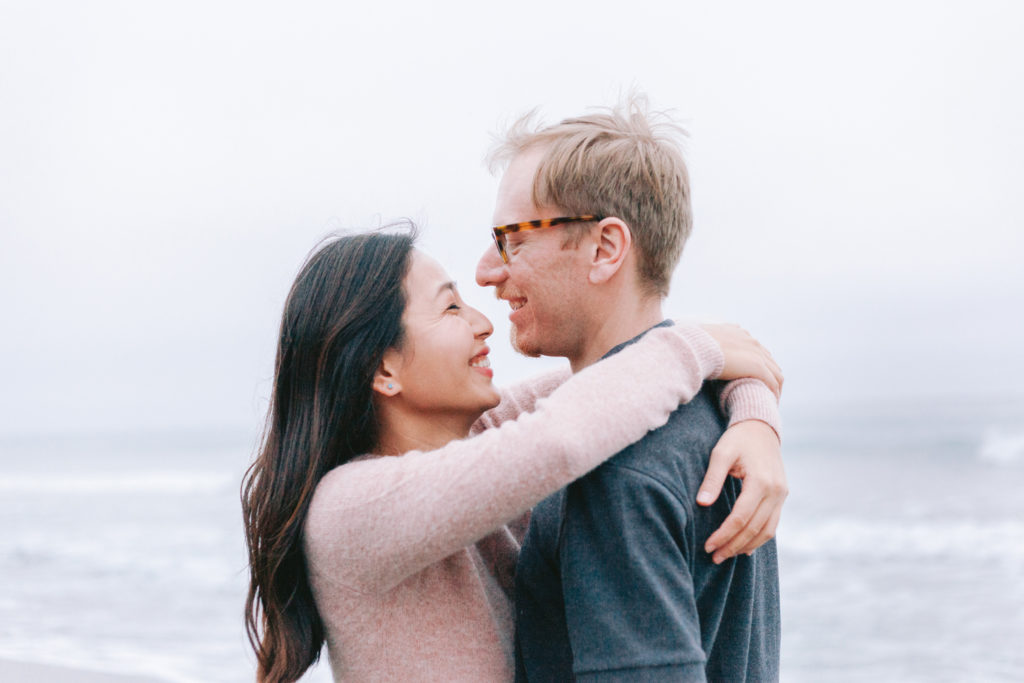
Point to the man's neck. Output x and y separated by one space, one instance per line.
621 324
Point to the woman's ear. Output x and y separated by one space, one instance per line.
385 380
612 245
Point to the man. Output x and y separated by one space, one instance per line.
620 577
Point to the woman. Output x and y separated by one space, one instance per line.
404 564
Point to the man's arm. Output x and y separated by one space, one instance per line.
626 559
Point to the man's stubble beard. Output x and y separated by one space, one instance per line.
514 340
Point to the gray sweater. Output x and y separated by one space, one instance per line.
613 584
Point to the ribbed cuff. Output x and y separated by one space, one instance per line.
751 399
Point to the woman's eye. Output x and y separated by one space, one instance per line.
453 307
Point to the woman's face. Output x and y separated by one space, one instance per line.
443 365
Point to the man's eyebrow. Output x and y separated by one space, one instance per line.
450 286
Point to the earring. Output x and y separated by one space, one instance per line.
391 386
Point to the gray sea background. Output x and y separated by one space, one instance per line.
901 548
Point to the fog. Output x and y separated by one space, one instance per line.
165 168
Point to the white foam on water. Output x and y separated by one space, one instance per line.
135 482
1002 448
201 557
1001 540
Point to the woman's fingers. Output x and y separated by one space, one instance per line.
745 356
753 521
766 533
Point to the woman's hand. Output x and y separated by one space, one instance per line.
749 451
745 357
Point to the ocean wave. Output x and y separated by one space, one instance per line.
136 482
1001 448
152 558
991 540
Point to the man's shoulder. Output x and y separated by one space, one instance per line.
681 447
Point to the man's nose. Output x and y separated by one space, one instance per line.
490 269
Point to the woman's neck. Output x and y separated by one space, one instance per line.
403 433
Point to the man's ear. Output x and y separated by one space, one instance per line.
385 379
612 244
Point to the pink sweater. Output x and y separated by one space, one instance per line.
411 558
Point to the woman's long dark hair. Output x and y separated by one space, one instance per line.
343 312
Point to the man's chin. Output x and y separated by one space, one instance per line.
528 350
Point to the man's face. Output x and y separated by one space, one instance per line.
544 284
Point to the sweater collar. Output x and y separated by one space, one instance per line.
616 349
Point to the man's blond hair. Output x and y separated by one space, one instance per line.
625 161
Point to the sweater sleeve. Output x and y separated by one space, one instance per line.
374 522
751 399
520 398
741 399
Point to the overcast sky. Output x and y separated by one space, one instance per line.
165 168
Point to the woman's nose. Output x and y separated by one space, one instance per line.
482 326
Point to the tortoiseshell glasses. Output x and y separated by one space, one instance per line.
500 231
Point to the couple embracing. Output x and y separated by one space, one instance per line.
580 525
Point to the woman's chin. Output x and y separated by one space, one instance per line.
488 403
495 399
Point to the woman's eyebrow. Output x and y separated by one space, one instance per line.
450 286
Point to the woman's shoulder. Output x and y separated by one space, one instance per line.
341 481
368 481
336 499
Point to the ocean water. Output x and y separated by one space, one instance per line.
901 548
902 542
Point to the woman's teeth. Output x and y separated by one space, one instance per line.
480 362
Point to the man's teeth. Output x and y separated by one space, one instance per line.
480 362
516 305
